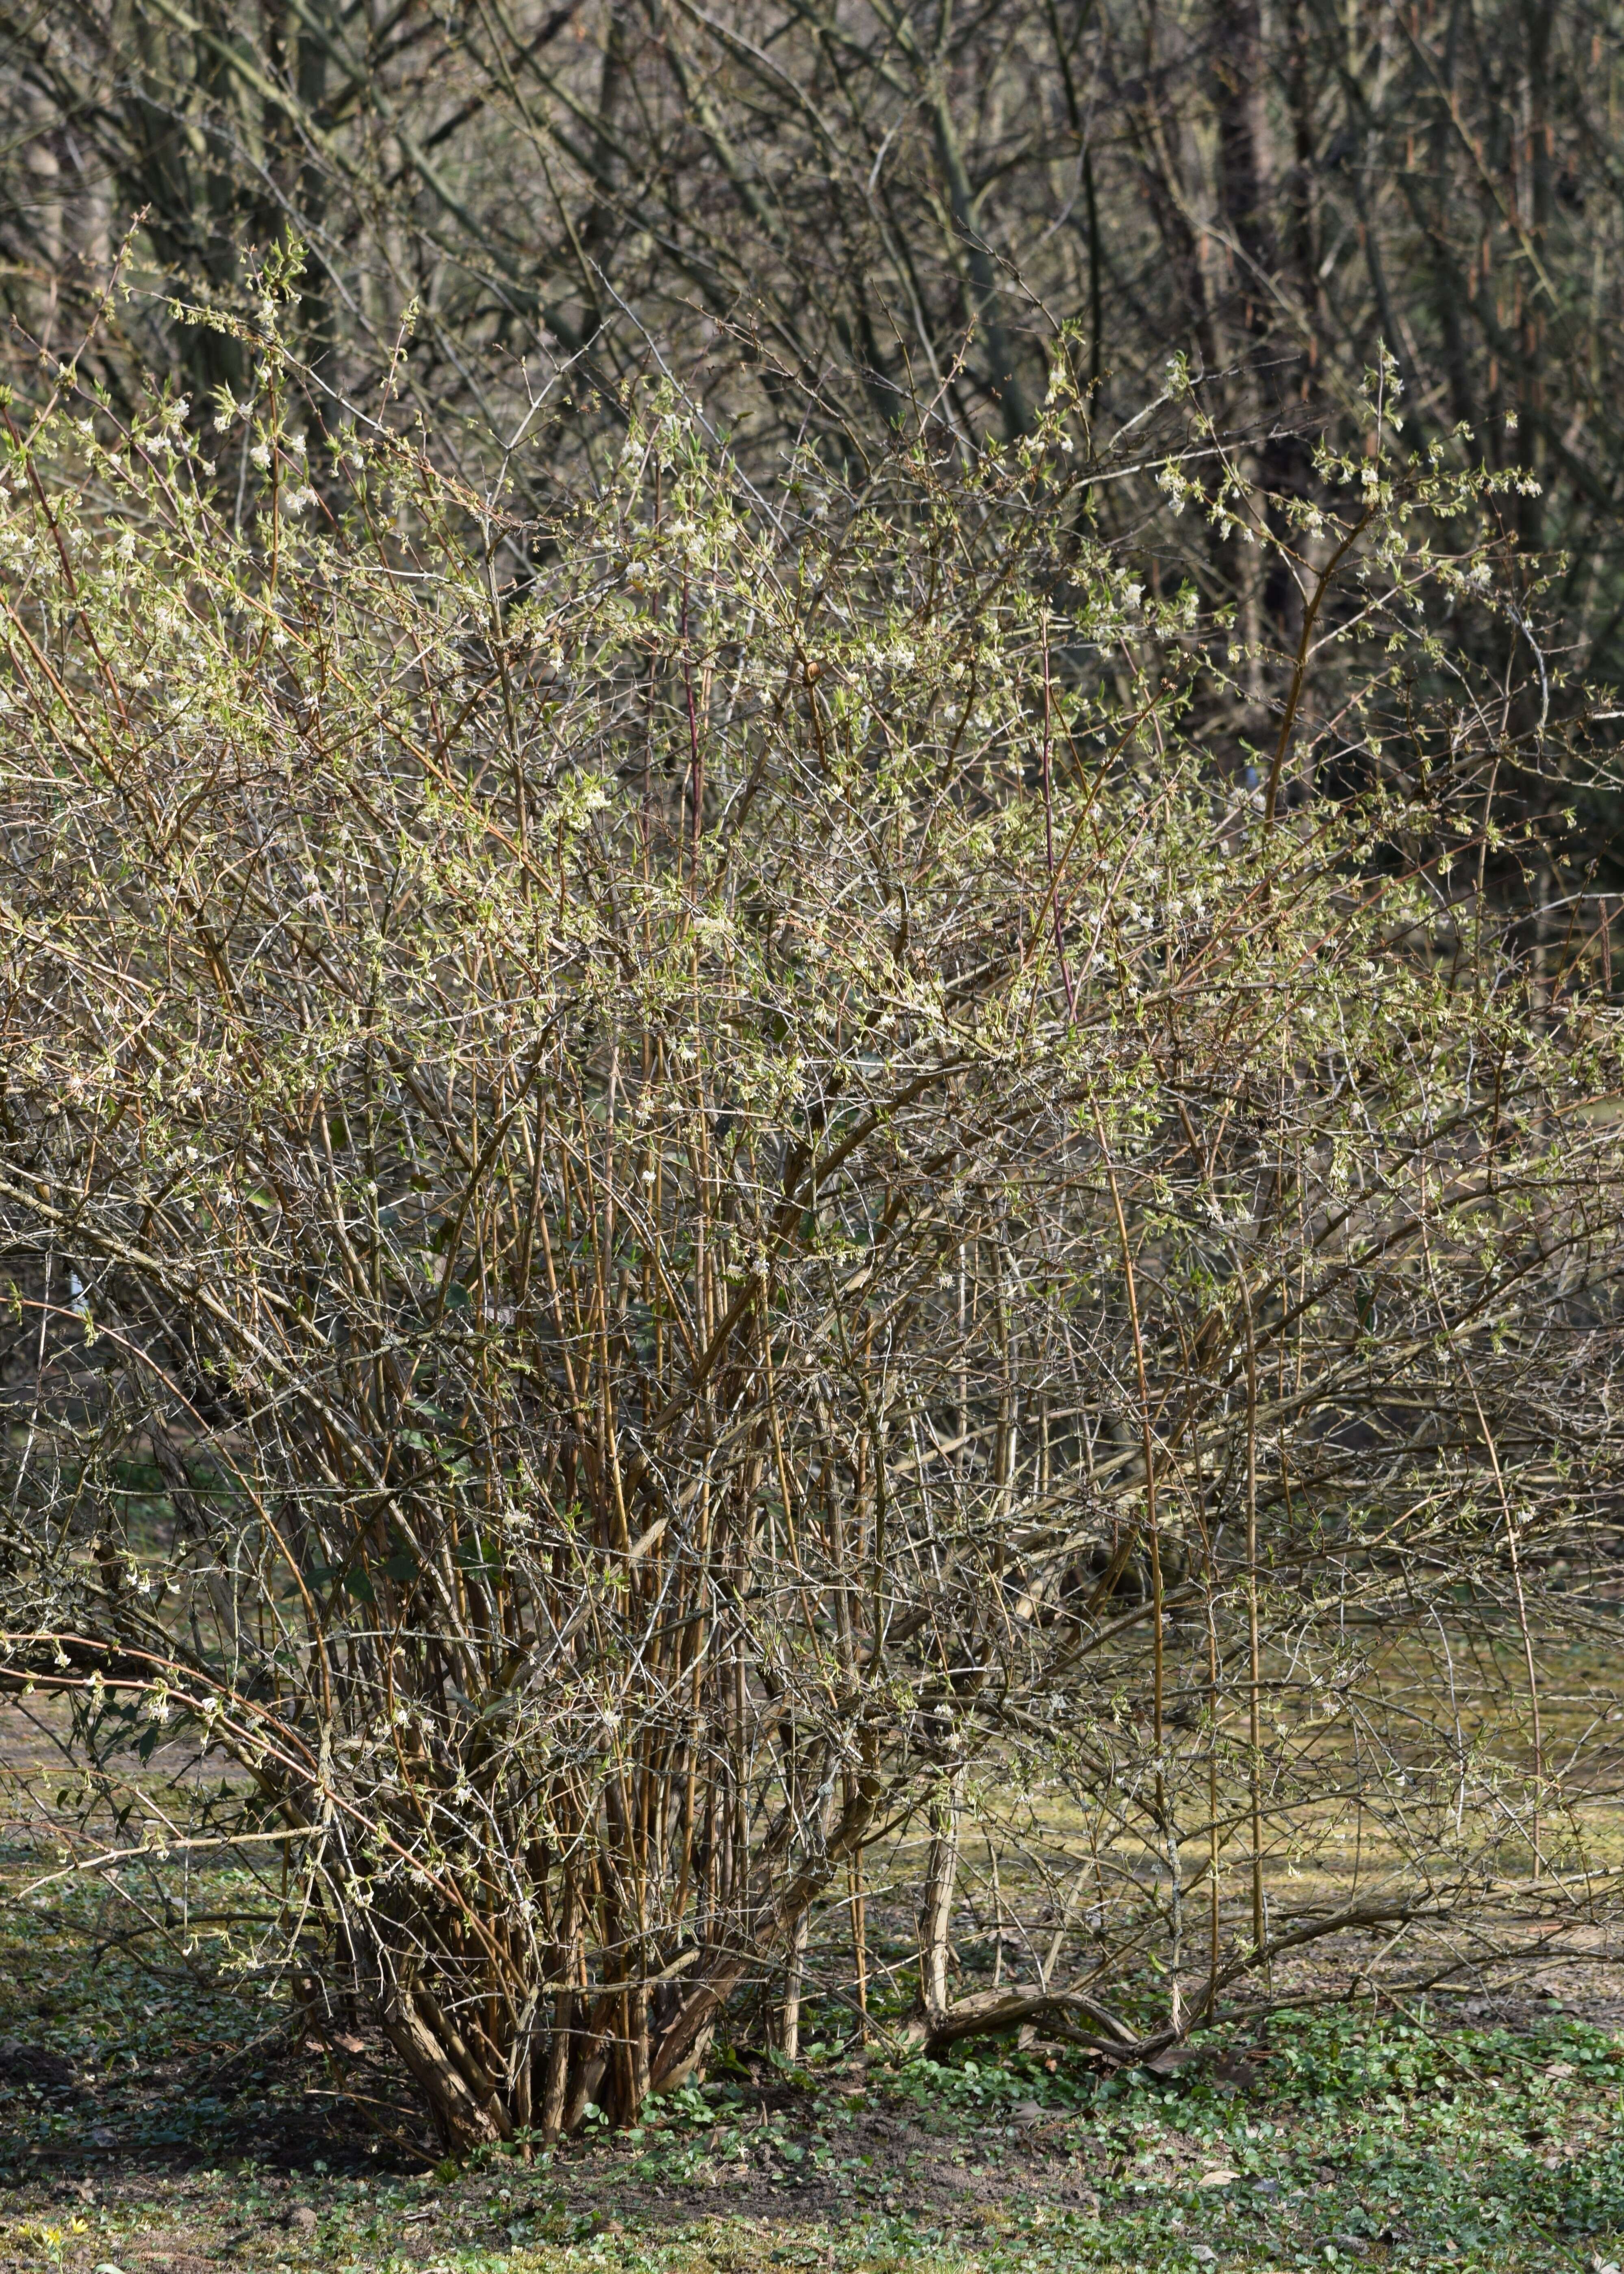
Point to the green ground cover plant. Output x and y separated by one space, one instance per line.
1358 2136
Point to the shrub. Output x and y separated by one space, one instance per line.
674 1212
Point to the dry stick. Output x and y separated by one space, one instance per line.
1215 1845
1517 1581
697 763
1511 1545
1049 832
998 1912
1254 1705
1147 1447
860 1926
1153 1531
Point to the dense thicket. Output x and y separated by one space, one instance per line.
809 930
670 1225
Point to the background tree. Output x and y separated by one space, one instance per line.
812 218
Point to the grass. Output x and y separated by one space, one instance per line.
163 2112
1341 2138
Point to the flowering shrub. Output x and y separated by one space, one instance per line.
672 1213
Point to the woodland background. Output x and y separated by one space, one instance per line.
811 216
